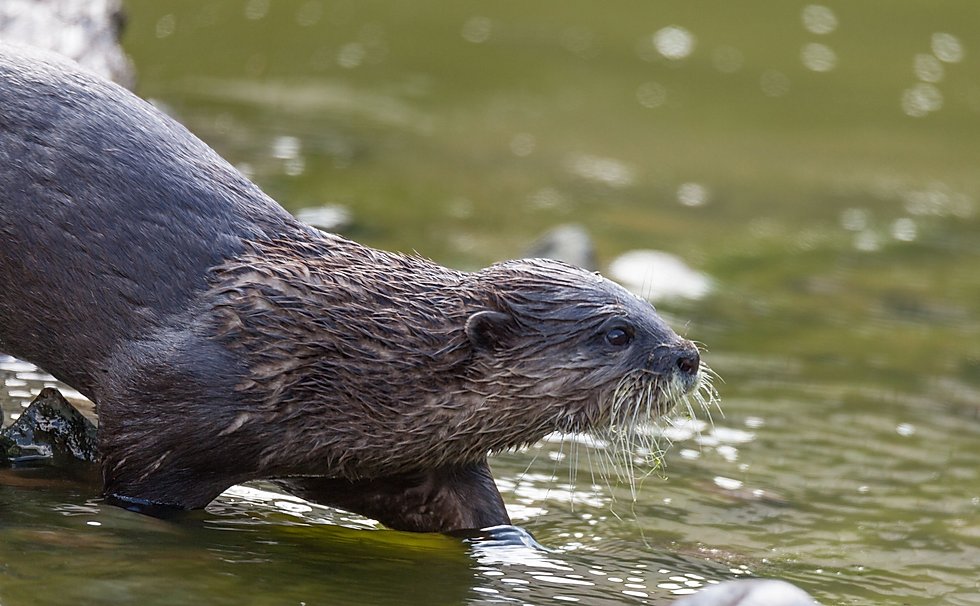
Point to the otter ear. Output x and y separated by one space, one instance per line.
488 329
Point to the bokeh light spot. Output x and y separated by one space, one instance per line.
819 19
674 42
947 47
818 57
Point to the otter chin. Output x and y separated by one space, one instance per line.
224 341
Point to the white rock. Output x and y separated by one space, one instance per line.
659 276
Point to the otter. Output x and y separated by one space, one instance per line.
223 341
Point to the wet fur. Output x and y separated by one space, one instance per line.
224 341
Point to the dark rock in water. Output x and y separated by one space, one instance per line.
749 592
51 431
570 243
87 31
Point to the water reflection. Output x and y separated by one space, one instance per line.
477 29
904 229
565 574
673 42
22 382
309 13
925 98
651 95
693 194
868 237
351 55
921 100
774 83
166 26
287 149
522 144
928 68
548 198
607 171
938 200
580 41
256 9
818 57
947 47
819 19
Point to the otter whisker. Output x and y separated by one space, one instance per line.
632 432
627 456
559 457
632 402
573 469
534 458
707 391
693 419
600 460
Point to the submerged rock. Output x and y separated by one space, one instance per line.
569 243
749 592
50 430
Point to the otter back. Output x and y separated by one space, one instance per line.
106 201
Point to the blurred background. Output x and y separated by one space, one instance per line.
794 184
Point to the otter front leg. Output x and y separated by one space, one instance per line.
439 500
165 407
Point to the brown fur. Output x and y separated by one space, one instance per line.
224 341
339 337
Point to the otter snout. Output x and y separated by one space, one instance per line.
682 358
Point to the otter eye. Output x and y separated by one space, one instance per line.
618 337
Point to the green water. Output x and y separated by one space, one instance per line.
820 164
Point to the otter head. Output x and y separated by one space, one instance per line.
589 354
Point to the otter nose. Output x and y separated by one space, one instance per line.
681 357
688 362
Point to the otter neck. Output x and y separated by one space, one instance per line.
372 374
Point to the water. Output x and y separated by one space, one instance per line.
816 161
